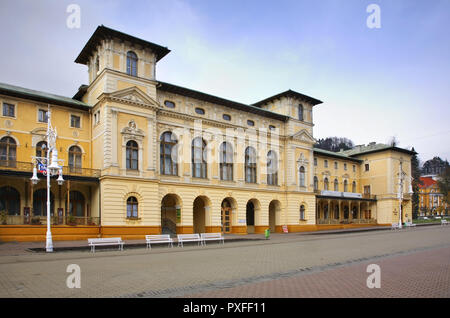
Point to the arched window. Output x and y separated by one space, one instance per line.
10 200
300 112
250 165
132 208
168 154
272 168
41 149
132 155
302 212
316 183
76 204
336 185
354 186
345 186
199 158
132 63
199 111
97 65
302 176
8 152
40 202
75 159
325 184
226 161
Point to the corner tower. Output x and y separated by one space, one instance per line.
116 61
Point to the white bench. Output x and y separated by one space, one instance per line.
409 224
156 239
394 226
188 238
444 222
212 237
93 242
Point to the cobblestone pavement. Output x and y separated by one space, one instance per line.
284 266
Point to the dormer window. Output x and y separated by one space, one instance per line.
132 63
250 123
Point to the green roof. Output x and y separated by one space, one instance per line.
338 155
373 147
21 92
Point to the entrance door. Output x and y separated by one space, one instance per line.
226 220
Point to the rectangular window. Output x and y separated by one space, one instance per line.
367 189
345 166
75 121
8 110
315 162
325 163
354 168
366 167
335 165
42 116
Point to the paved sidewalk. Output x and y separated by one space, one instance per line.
421 274
175 272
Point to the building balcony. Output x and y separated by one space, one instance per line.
344 195
345 221
20 167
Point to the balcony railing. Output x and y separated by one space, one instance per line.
42 220
346 221
67 171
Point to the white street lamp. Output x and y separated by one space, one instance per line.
52 169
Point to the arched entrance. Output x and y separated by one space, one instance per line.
226 214
201 204
9 200
170 213
252 212
76 204
40 203
274 208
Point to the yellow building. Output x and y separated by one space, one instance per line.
143 156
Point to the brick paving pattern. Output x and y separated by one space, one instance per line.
420 274
241 265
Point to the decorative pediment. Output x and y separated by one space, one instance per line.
304 136
132 132
132 95
302 161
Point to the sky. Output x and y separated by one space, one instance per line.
375 83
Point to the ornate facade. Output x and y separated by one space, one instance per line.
144 157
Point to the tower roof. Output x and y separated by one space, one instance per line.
102 33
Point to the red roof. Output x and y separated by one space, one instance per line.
427 182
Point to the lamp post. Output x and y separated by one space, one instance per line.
49 168
401 177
